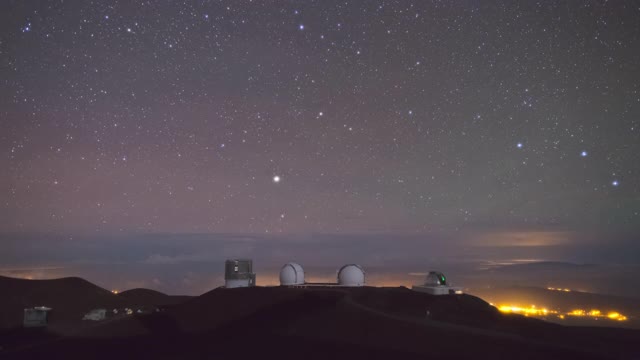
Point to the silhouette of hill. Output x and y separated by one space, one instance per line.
70 298
141 296
331 322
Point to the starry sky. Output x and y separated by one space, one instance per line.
330 117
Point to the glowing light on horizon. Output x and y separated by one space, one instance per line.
544 312
559 289
526 311
616 316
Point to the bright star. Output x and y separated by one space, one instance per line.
276 179
519 145
584 154
301 27
615 183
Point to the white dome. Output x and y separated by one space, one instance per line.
291 274
435 278
351 275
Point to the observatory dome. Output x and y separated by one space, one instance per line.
435 278
351 275
291 274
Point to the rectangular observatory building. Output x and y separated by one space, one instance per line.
239 273
36 316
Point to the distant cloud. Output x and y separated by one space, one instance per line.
42 272
523 238
157 259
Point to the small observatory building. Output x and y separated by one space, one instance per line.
291 274
436 284
351 275
95 315
239 273
36 316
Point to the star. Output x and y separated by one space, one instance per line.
196 107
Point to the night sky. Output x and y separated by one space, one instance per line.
307 117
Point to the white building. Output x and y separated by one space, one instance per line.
436 284
291 274
239 273
351 275
95 315
36 316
